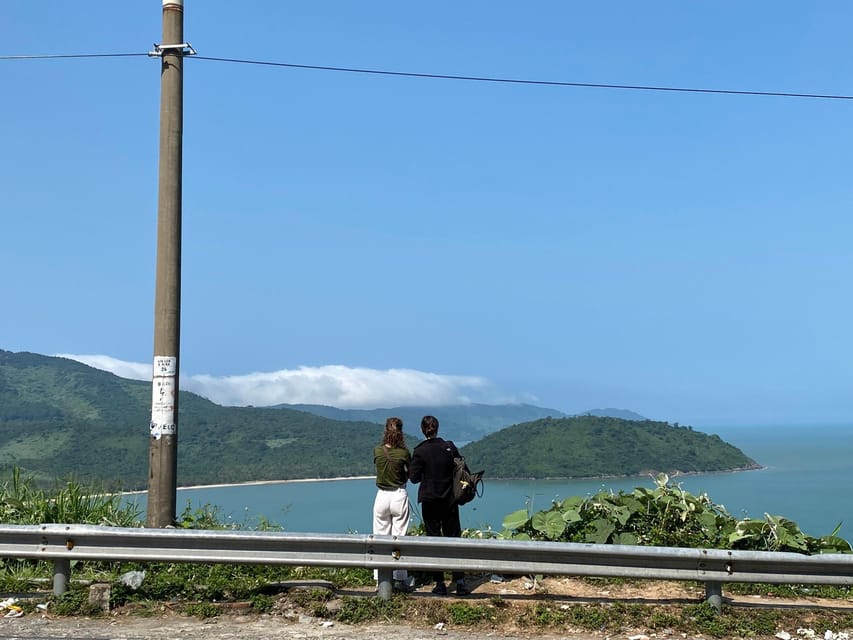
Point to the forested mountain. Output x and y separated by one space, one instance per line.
591 446
60 417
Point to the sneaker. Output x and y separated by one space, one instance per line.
439 589
461 589
402 587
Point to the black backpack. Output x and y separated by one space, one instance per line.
466 485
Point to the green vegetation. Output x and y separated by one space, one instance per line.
664 516
592 446
69 502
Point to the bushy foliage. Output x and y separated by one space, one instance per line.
68 502
666 515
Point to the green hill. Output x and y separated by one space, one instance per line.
591 446
60 417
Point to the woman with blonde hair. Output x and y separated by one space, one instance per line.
391 509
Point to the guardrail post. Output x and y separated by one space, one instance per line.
714 595
386 586
61 575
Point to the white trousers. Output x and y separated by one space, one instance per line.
391 515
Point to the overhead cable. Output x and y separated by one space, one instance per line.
552 83
443 76
53 56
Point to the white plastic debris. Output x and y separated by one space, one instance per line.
439 626
10 609
132 579
828 635
805 632
783 635
327 623
496 578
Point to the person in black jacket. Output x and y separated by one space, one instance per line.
432 468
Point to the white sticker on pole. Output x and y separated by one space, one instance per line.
163 396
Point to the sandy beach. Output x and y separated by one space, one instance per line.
252 483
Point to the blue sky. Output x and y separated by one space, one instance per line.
363 240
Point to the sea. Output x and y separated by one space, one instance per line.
806 477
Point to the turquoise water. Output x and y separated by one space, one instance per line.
806 479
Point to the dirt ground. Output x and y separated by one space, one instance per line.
284 624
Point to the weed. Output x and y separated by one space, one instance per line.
463 613
357 610
498 602
837 592
22 502
431 612
703 618
588 616
544 615
262 603
662 619
201 609
17 575
75 602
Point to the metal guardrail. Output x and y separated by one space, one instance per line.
64 543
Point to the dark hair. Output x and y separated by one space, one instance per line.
429 426
393 435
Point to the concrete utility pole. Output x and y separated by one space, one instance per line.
163 459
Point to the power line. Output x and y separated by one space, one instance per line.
72 55
443 76
551 83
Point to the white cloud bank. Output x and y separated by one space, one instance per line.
334 385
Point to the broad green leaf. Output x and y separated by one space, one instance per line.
622 515
633 504
572 515
834 544
601 531
550 523
572 503
625 538
707 520
516 519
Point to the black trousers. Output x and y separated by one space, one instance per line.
442 519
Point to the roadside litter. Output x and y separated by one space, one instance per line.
10 609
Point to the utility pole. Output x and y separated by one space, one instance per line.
163 449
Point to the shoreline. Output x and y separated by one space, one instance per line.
252 483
